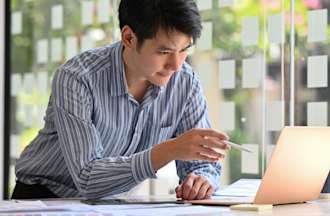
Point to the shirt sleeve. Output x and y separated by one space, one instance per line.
93 174
196 116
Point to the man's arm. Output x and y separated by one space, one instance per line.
196 176
93 174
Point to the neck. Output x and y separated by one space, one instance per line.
137 85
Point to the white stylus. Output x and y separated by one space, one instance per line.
236 146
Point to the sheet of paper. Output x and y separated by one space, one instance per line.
250 161
16 22
28 82
169 211
71 47
205 41
225 3
250 31
227 74
274 115
42 82
317 71
15 84
16 206
241 187
227 116
317 114
276 29
87 9
317 25
103 8
57 17
204 4
56 53
86 43
42 51
252 72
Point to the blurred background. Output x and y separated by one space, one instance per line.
263 65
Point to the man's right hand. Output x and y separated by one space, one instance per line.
195 144
200 144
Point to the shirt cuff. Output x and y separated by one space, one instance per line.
213 179
142 166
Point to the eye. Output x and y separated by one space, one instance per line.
163 52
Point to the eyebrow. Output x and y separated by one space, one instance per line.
165 48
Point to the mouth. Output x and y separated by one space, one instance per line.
165 74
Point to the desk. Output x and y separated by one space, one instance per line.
315 208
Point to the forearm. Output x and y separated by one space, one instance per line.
162 154
114 175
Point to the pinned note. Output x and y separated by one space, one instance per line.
42 51
317 114
56 50
87 9
28 82
250 161
103 8
227 116
86 43
274 115
276 30
205 41
250 31
317 71
57 17
42 82
204 4
71 47
225 3
227 74
16 23
15 84
252 72
317 25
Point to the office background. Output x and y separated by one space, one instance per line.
257 70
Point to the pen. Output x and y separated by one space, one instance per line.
236 146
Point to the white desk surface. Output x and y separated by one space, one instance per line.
314 208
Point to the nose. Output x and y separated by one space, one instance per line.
174 62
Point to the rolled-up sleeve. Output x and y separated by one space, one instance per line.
93 174
196 116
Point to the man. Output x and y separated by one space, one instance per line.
118 114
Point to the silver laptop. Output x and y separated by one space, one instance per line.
297 170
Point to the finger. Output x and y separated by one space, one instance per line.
215 143
209 192
187 186
200 156
198 182
203 190
212 133
178 191
210 152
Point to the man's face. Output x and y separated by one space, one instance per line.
159 58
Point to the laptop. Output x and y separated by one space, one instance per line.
297 170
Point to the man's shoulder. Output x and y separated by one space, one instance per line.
91 61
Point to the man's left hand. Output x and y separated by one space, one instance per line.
194 187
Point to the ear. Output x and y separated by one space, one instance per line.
128 37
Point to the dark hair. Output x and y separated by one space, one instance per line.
146 17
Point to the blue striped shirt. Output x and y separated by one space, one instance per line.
97 138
